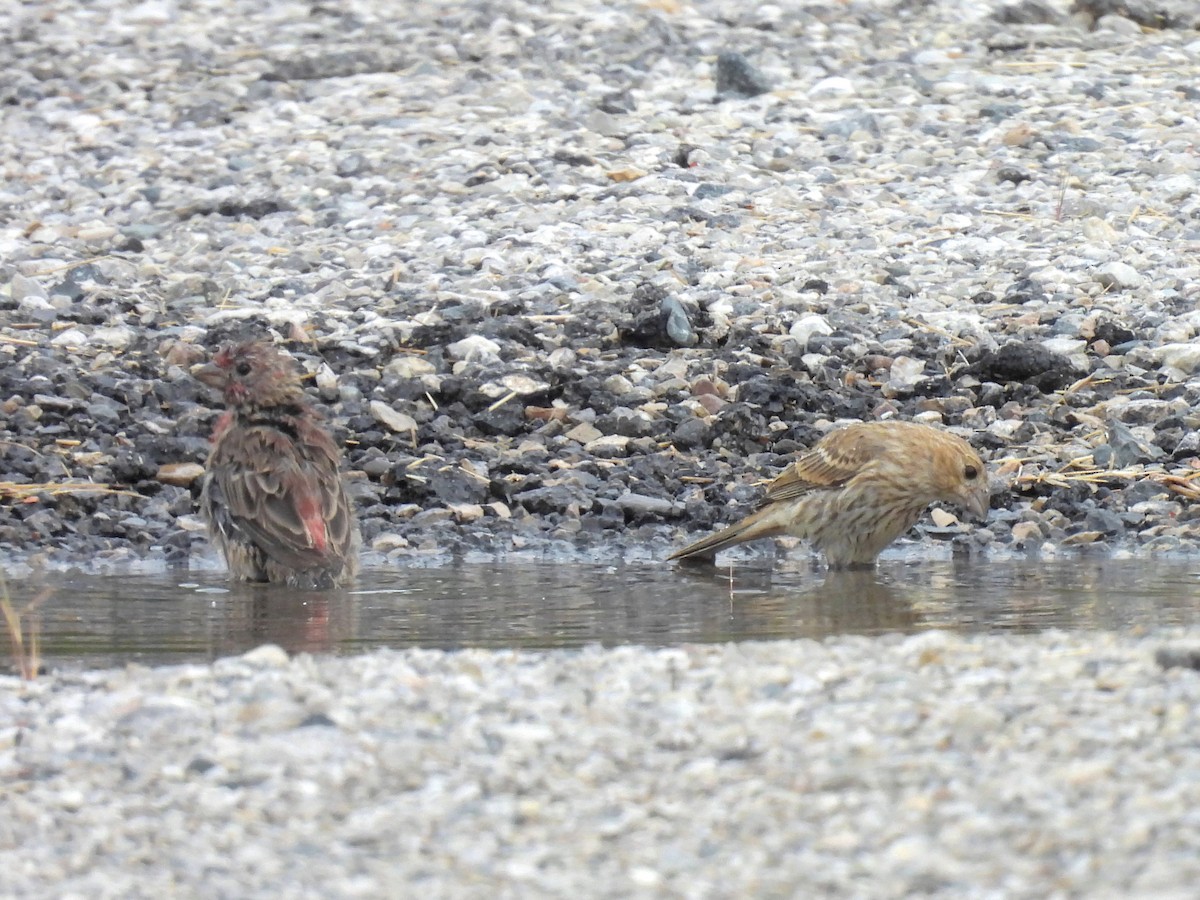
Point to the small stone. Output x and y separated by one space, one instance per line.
1098 231
693 433
1104 520
678 326
22 287
192 524
97 233
351 165
562 358
1028 12
384 543
641 505
941 518
118 337
834 86
737 76
1024 362
1025 532
804 328
267 656
584 432
1118 25
545 413
1119 275
1184 357
608 445
410 367
645 877
1178 656
618 384
1019 135
37 309
466 512
906 372
179 474
399 422
327 382
1083 537
151 12
72 337
1012 174
523 385
72 800
627 174
475 347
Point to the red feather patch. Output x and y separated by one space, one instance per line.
222 425
314 522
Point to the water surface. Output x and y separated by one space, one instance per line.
92 621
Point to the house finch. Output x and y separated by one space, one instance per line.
275 502
859 489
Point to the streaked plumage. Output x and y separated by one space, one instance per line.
858 489
275 501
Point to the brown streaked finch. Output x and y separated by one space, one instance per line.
858 489
273 496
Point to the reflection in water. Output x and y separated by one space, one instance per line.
97 621
318 623
758 605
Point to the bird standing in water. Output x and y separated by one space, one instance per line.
273 497
858 489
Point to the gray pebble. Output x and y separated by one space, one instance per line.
737 76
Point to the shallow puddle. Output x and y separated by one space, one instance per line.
98 621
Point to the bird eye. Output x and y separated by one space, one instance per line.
243 368
971 473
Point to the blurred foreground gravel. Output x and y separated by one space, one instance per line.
1032 766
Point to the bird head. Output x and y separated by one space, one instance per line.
253 373
960 475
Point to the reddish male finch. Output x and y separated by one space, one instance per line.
858 489
275 502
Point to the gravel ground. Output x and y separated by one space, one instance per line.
1042 766
567 275
578 275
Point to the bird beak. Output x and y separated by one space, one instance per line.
977 502
209 374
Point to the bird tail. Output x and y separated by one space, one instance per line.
764 523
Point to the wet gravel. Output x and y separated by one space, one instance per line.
580 277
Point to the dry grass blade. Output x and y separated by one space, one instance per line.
1081 470
22 446
933 329
16 491
1184 485
1086 381
24 631
66 267
499 403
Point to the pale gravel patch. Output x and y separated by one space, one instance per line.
1018 766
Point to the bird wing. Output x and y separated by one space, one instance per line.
829 465
282 496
